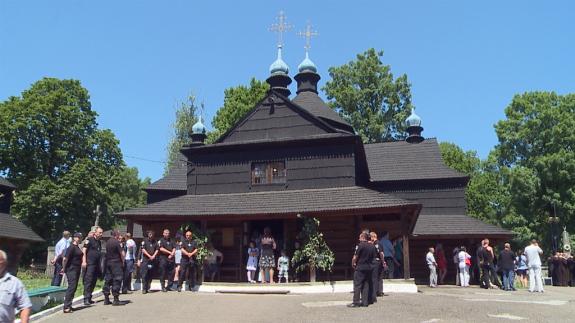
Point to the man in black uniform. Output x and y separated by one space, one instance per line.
167 260
362 261
188 262
114 273
92 251
377 269
149 253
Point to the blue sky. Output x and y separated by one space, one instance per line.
465 59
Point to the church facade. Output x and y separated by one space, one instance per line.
295 156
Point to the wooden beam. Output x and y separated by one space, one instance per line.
405 238
130 227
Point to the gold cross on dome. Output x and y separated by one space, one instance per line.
308 34
281 27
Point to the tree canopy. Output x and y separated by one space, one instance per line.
186 117
365 93
63 164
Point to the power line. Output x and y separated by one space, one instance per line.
145 159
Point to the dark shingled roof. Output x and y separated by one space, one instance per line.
5 183
13 229
315 105
274 202
400 160
176 180
456 225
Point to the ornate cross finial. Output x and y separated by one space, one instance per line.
281 27
308 34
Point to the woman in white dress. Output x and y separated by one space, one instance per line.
464 264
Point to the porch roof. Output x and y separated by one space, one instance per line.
456 225
11 228
340 200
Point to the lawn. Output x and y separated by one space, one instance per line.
34 280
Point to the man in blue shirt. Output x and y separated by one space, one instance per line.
59 253
12 295
388 253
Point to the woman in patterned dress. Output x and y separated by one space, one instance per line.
267 258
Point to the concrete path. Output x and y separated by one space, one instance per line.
443 304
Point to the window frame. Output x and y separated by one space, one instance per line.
268 174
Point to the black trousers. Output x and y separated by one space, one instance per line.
167 268
377 277
485 273
146 272
362 283
187 268
127 281
73 275
90 278
113 278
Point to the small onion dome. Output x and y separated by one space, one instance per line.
413 120
199 128
279 66
307 65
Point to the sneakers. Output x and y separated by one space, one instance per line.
353 305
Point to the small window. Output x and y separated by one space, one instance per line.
269 173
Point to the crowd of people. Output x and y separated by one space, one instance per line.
504 269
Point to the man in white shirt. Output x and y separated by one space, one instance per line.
213 261
130 252
532 253
430 259
59 252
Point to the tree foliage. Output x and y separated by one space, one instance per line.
63 165
365 93
186 117
314 252
238 101
537 145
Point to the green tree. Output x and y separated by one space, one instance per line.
63 165
365 93
536 142
238 101
314 253
186 117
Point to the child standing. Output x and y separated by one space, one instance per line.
283 267
251 267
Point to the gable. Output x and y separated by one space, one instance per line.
276 118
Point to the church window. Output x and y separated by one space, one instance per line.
269 173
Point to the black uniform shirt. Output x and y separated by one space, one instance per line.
93 251
365 253
189 246
113 250
167 244
150 246
73 256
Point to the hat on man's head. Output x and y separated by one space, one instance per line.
78 235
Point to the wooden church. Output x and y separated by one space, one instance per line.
294 155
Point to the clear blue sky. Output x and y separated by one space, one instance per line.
465 59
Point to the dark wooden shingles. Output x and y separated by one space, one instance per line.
13 229
400 160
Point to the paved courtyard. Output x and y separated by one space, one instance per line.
444 304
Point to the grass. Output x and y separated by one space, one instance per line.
33 280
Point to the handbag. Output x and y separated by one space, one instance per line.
468 262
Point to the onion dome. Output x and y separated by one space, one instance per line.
279 66
307 65
413 120
199 128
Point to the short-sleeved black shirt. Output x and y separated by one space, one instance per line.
73 256
113 250
189 246
150 246
167 244
93 251
365 253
